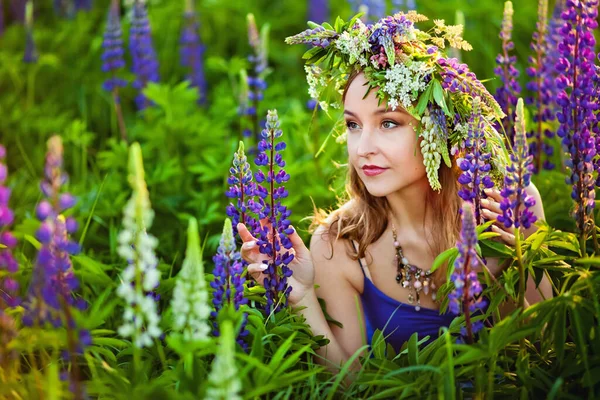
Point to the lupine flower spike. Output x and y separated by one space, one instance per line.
542 74
112 61
273 237
31 55
578 105
466 296
507 93
192 51
475 164
50 296
8 286
190 297
318 11
143 56
516 203
140 278
223 379
228 284
256 77
241 191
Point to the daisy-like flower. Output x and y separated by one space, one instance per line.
404 82
190 297
140 277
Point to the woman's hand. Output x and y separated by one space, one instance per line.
490 209
303 277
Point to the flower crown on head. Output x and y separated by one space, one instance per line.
411 70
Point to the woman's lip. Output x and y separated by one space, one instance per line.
373 171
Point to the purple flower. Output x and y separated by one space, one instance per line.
374 9
401 5
1 18
192 51
507 93
228 284
53 281
516 203
457 77
273 236
242 189
8 286
466 296
542 74
318 36
143 57
17 8
256 77
475 164
318 11
30 56
85 5
112 57
578 103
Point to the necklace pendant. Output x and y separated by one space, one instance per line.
398 278
433 295
411 299
405 284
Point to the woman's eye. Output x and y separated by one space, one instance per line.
389 124
352 125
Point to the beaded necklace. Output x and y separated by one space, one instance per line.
405 273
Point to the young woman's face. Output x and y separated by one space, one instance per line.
383 140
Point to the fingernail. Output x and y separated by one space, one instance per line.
250 245
263 267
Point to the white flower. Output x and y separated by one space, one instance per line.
140 318
224 382
404 81
354 46
429 149
190 297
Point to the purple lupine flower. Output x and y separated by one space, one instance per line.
318 37
475 164
228 284
507 93
241 188
85 5
456 77
17 8
112 57
318 11
256 82
1 18
374 9
516 203
268 206
541 71
53 281
143 56
466 296
8 286
31 55
578 104
192 51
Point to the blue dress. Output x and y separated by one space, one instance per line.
404 320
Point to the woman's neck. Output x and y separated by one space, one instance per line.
409 208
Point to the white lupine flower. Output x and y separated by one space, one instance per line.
190 297
224 382
431 153
140 318
404 81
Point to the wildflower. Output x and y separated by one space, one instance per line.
400 5
269 206
8 286
541 72
140 277
256 78
112 58
466 295
506 95
192 51
475 164
85 5
516 202
143 57
190 297
223 379
578 104
228 284
31 55
434 136
373 9
404 83
241 188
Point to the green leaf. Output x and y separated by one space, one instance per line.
438 95
424 100
444 256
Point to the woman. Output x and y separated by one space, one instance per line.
401 209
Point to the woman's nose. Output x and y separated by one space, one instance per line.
366 143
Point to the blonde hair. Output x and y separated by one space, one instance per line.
364 218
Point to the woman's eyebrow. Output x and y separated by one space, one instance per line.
379 111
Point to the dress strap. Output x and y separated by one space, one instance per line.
362 268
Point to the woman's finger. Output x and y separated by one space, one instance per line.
245 234
255 270
249 251
490 215
491 205
494 194
508 238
